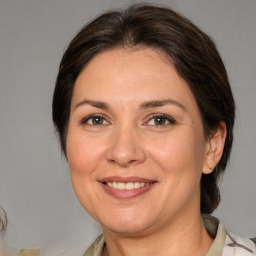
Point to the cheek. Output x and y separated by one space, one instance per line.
83 157
180 156
83 153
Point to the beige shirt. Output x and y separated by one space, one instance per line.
224 244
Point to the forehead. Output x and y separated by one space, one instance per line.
129 73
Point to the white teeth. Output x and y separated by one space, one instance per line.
127 186
110 184
120 185
136 185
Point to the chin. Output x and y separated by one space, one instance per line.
126 229
126 224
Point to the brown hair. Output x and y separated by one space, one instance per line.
192 52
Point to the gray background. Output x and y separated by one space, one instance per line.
35 187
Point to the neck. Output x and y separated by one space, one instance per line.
182 238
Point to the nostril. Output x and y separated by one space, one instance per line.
125 151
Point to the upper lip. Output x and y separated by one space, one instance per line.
126 179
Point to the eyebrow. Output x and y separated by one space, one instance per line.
144 105
160 103
93 103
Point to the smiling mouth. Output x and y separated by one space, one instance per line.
126 186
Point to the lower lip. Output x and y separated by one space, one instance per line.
126 193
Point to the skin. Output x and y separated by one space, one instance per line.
127 140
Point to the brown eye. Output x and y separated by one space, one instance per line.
94 120
161 120
97 120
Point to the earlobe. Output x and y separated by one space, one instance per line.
214 148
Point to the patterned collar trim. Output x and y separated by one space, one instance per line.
216 231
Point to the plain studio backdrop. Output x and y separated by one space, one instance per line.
35 187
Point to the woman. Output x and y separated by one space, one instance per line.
145 115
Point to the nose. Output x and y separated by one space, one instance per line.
126 147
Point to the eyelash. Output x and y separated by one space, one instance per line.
167 118
85 120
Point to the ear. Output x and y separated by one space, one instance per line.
214 148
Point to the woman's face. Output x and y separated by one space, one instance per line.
135 142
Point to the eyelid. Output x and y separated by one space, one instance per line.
170 119
85 119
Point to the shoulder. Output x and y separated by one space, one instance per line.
29 252
96 247
235 245
226 243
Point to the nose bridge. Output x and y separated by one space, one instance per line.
125 146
